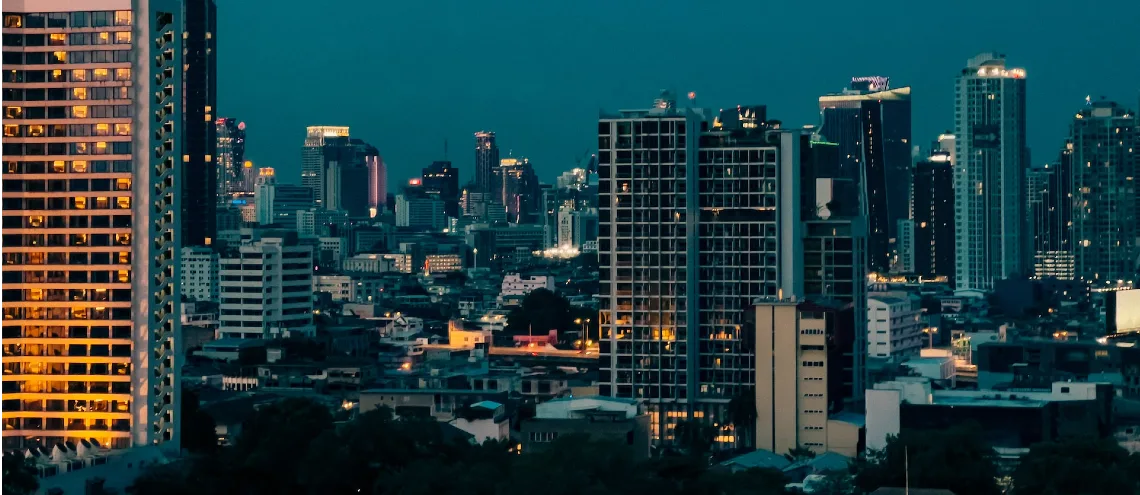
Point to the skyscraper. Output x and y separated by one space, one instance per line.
313 159
1049 205
1105 221
231 156
377 185
486 158
695 224
989 175
264 195
442 180
199 134
871 125
932 214
516 187
91 256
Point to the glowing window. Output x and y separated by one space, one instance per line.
124 239
122 129
102 130
123 202
122 37
122 184
57 39
13 112
124 276
56 75
122 18
11 130
82 148
102 203
59 57
124 257
59 166
79 93
102 38
79 112
13 21
79 75
101 74
122 74
35 130
79 203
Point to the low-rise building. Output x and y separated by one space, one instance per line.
441 404
894 325
485 420
199 276
602 418
515 284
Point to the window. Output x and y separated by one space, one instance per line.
79 93
122 18
13 112
79 75
1064 390
13 21
122 74
122 37
102 129
101 75
58 58
79 111
122 184
57 39
103 38
122 129
79 166
11 130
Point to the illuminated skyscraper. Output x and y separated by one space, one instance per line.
989 174
199 133
313 163
91 294
932 212
486 158
871 125
516 186
1105 221
231 157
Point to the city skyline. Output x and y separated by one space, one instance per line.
397 117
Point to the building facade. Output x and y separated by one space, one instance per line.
932 214
695 223
894 326
91 222
1104 215
266 289
264 196
989 179
199 274
199 133
871 125
230 149
486 158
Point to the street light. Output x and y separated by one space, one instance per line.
930 331
585 340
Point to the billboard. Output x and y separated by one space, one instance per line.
987 136
1123 311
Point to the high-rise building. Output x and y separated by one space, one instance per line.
932 215
264 196
871 125
441 180
199 274
199 134
266 288
516 186
377 185
314 161
695 224
230 149
417 210
340 169
989 174
486 158
1049 207
288 199
1105 219
91 256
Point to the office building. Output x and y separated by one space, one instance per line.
264 196
1105 221
199 274
319 222
904 247
494 242
230 149
420 211
894 326
800 391
577 227
199 134
695 223
1049 205
93 252
315 157
932 217
288 200
870 122
516 187
482 206
989 174
441 180
486 158
266 289
377 185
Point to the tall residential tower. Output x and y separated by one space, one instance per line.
199 133
989 174
92 151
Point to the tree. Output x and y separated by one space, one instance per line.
798 454
540 312
742 414
19 475
1080 466
694 438
199 433
955 459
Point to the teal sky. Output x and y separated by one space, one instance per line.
407 75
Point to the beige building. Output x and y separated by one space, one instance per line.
92 111
792 403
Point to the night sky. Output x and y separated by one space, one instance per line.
405 75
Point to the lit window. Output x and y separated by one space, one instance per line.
79 203
11 130
124 239
122 184
102 130
122 74
124 257
79 111
101 148
123 202
102 38
35 130
79 75
59 166
57 75
122 129
101 74
79 93
82 148
59 57
13 21
122 37
13 112
102 203
124 276
57 39
122 18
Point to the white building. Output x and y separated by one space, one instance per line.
894 325
515 285
264 193
576 227
266 289
486 420
339 286
369 263
199 274
989 174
